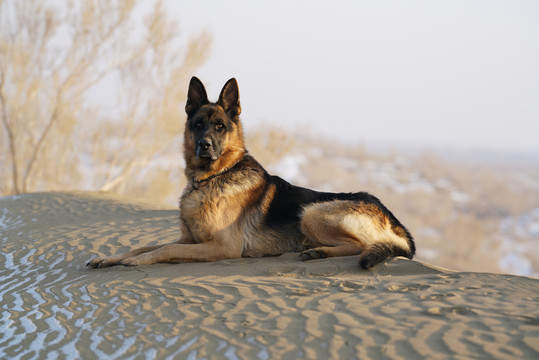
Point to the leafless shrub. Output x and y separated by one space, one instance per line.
52 56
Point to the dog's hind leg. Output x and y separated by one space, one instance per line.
321 252
324 233
343 227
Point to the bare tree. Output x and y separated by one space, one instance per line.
55 59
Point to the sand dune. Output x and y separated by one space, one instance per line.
269 308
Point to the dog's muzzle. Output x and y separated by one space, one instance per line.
205 149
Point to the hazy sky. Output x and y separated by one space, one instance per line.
463 74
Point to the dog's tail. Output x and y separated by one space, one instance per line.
377 252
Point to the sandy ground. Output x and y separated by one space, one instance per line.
270 308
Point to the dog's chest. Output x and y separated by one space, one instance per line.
210 207
198 202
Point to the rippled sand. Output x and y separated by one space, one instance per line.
269 308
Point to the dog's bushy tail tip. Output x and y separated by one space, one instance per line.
378 252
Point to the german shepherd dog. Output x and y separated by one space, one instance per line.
231 207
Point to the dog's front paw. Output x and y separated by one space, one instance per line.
142 259
99 263
313 254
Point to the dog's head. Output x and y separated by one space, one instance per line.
213 134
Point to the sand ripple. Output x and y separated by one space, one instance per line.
53 307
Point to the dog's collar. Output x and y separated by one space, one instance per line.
195 184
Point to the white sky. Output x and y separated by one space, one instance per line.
463 74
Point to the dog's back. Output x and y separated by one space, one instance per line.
338 224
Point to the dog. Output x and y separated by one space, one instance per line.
232 208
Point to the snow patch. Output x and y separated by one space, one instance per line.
289 168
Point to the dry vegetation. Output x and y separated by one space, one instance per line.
55 57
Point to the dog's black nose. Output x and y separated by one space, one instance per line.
204 144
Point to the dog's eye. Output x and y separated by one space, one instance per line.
199 125
220 127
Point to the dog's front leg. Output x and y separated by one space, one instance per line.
102 262
177 253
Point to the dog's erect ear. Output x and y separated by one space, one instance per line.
230 98
196 96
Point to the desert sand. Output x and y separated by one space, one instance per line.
270 308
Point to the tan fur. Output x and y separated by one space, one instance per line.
228 208
216 224
341 227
